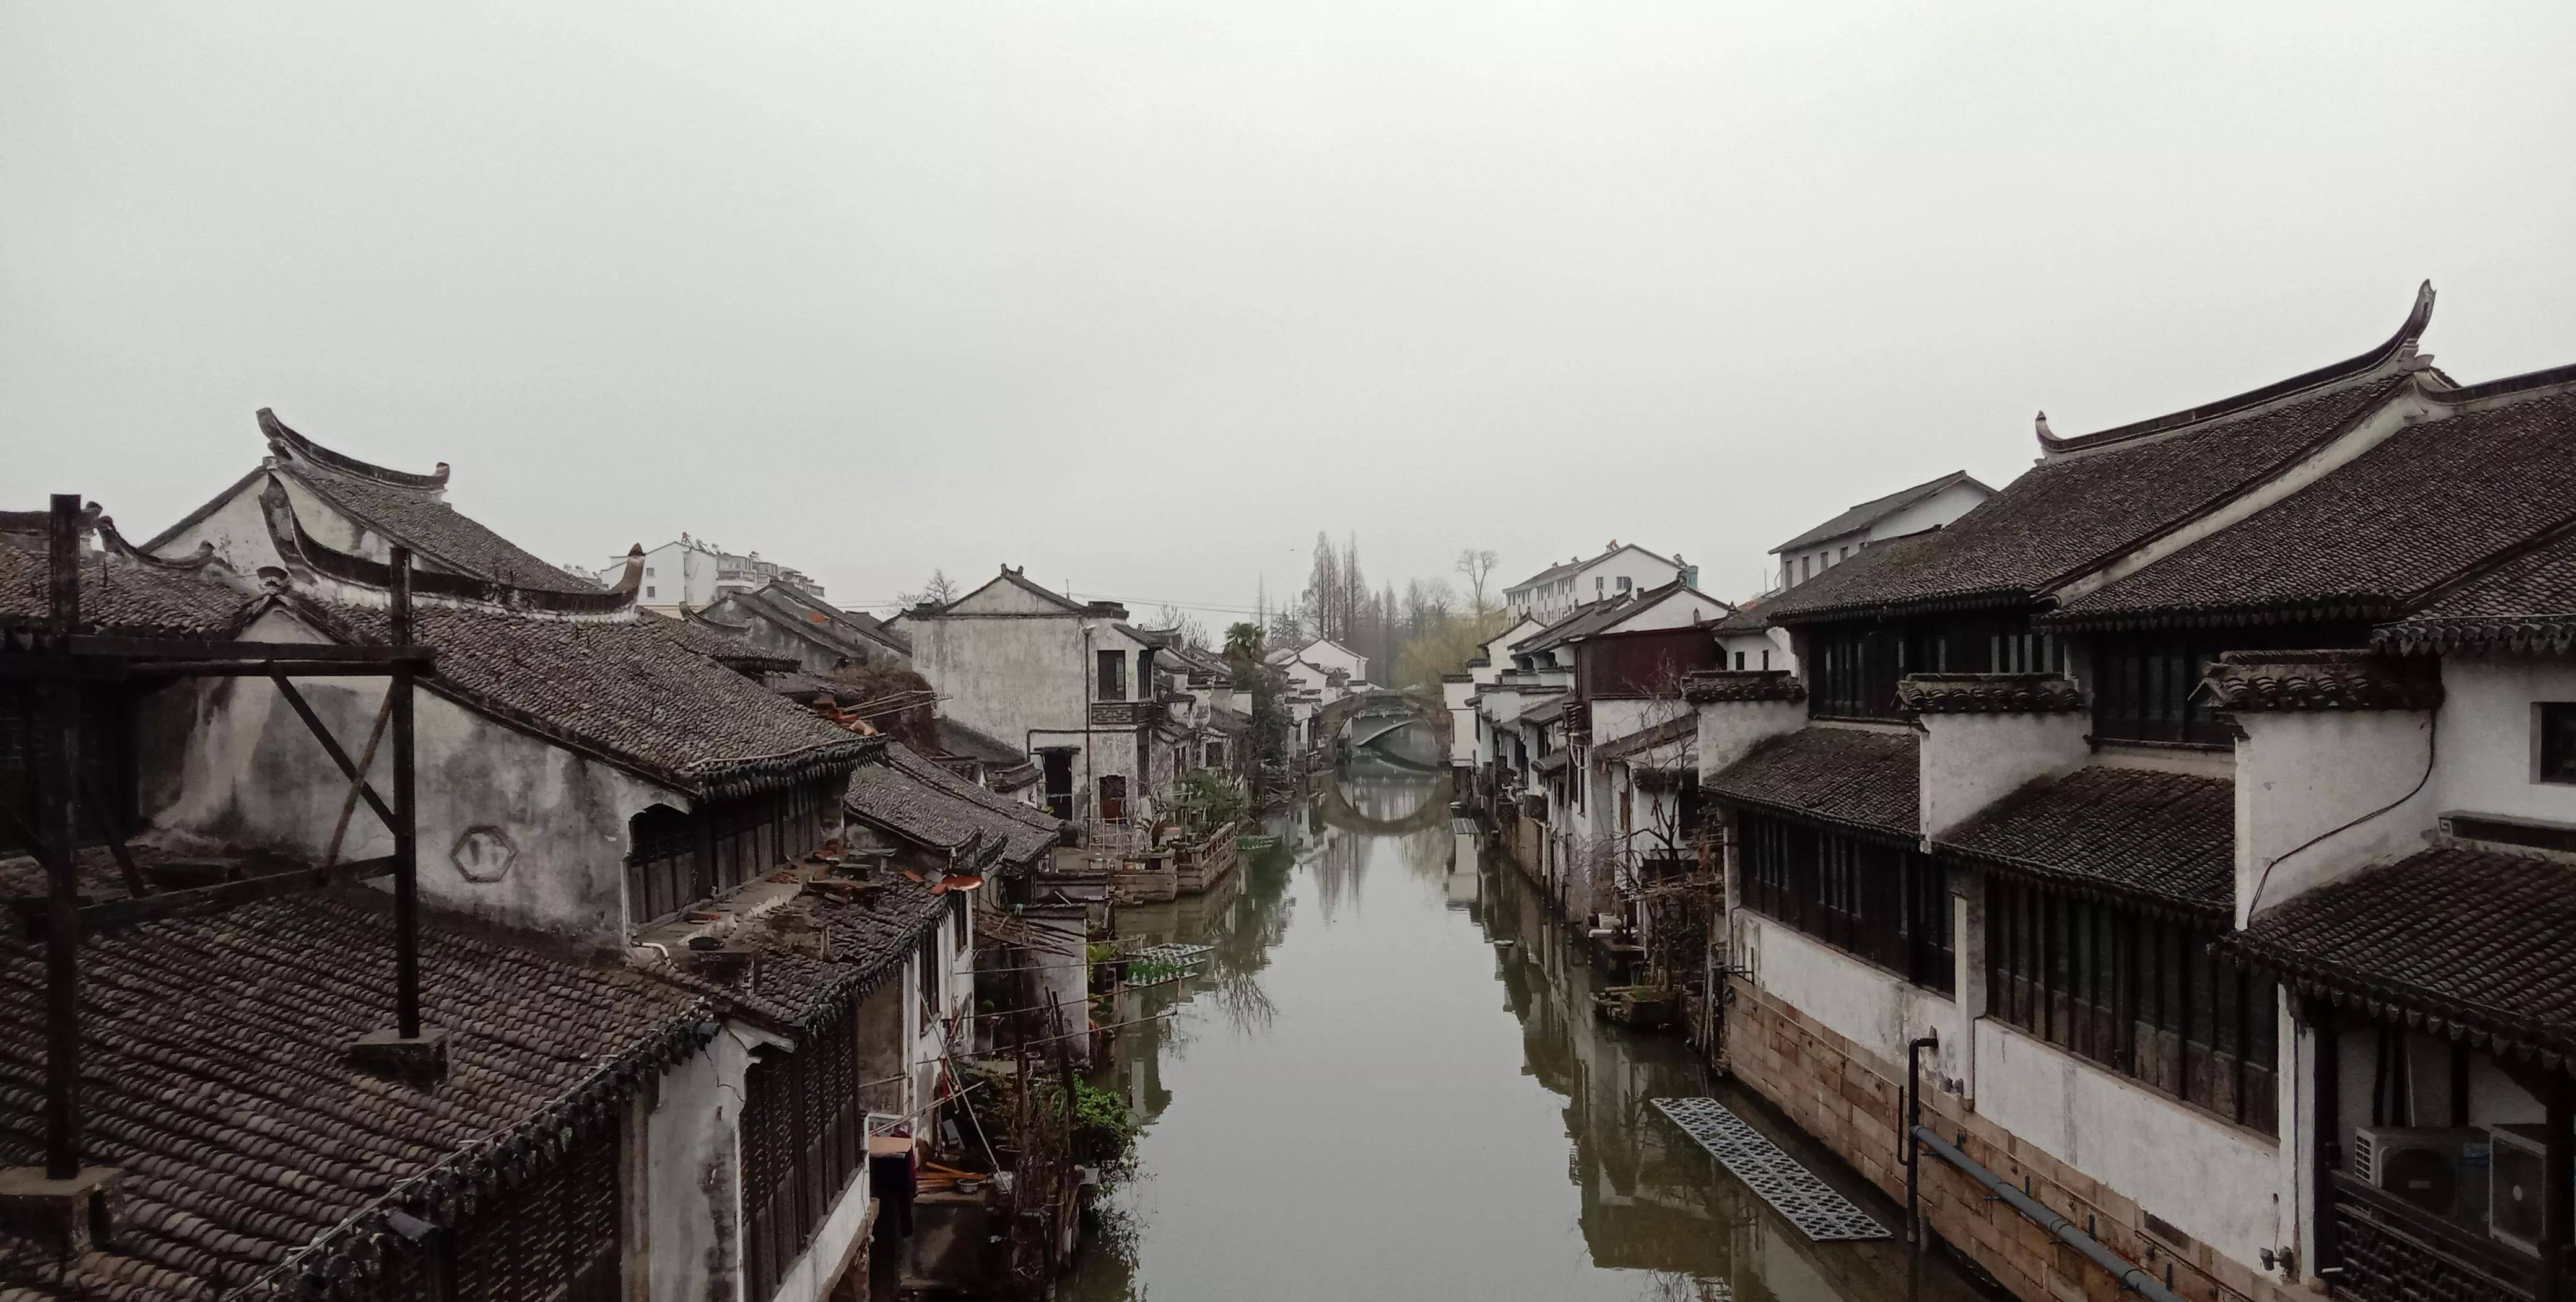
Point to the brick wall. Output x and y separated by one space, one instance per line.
1853 1102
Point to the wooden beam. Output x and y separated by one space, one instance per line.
58 819
115 914
258 669
331 746
161 648
405 811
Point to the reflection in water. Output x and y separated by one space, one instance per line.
1413 1099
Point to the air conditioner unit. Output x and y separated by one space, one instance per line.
2441 1170
2520 1151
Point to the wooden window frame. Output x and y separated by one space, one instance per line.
2135 992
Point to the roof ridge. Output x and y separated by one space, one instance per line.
292 446
2398 349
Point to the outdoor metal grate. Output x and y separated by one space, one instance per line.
1791 1189
1463 826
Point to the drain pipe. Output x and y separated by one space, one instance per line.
2130 1275
1914 1122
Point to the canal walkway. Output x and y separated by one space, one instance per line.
1389 1084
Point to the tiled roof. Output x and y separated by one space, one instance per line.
1742 685
2524 605
717 642
845 633
2363 541
1988 694
1543 707
2166 838
1875 509
1589 618
408 509
120 594
2246 682
213 1073
1682 730
1559 571
911 797
630 690
957 739
2473 942
865 938
2069 513
1552 762
1747 618
1858 778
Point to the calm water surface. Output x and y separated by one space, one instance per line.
1389 1084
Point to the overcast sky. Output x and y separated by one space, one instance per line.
1141 295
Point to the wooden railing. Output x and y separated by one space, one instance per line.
2389 1250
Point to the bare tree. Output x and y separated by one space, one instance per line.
1193 633
938 591
1478 565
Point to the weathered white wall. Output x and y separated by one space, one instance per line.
2221 1184
1930 513
1970 761
1728 730
1877 1010
2486 732
694 1164
511 828
2302 773
1768 649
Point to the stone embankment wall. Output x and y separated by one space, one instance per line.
1853 1101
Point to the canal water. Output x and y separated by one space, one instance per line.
1388 1083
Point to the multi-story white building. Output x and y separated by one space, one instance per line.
694 573
2202 808
1907 511
1554 592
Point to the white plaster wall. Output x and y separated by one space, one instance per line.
2302 773
1640 570
2486 731
1680 610
1754 646
229 759
1332 655
237 528
2218 1183
694 1173
1930 513
1970 761
1728 730
1875 1009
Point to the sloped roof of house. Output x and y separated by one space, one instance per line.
2473 942
2064 516
1580 564
215 1073
1544 706
122 591
1864 780
907 795
1867 513
846 633
2438 498
2525 603
865 943
1681 731
2159 838
631 692
957 739
406 507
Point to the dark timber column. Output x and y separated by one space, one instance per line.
2558 1189
2326 1126
406 843
58 778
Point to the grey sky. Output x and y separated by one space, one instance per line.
1140 295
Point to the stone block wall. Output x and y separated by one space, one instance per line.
1852 1101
